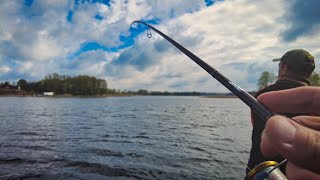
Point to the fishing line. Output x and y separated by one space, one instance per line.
236 152
231 145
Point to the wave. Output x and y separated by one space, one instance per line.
27 133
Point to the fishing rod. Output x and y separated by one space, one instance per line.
265 170
262 112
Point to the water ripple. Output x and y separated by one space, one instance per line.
122 138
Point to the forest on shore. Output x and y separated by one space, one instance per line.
84 85
59 84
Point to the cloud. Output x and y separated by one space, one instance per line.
4 69
240 46
238 38
25 67
161 46
303 18
140 60
90 63
33 32
143 54
40 30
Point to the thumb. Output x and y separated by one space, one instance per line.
294 172
300 145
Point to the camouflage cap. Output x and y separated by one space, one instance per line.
298 60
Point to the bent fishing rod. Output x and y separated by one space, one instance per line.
265 170
262 112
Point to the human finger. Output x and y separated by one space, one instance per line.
267 146
302 100
294 172
307 121
311 122
300 145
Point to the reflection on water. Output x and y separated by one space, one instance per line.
123 138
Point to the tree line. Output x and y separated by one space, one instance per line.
164 93
78 85
267 78
62 84
89 85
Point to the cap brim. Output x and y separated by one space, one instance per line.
276 60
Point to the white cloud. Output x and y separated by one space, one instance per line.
4 69
25 67
39 40
44 47
5 35
36 70
243 31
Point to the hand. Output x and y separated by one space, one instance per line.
298 142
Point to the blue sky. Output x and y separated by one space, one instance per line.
93 37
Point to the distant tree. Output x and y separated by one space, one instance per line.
37 87
265 79
6 85
63 84
111 91
23 84
79 85
48 77
314 79
55 76
142 92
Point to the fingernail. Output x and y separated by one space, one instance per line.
283 130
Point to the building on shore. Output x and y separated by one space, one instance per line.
48 93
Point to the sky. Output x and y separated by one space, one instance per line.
239 38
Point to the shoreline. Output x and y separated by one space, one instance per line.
68 96
20 93
113 95
222 96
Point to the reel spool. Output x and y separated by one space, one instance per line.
267 170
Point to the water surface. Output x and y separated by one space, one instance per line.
123 138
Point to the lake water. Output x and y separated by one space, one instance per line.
144 137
